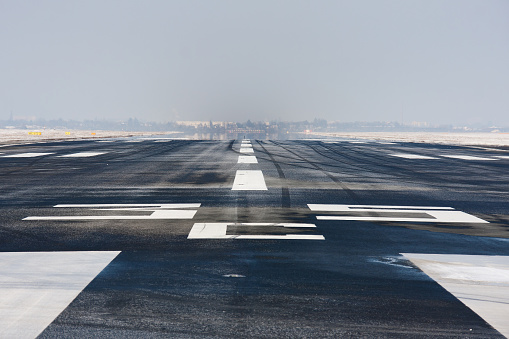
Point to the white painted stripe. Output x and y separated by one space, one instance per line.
159 214
249 180
247 159
129 205
82 155
412 156
246 150
26 155
502 156
436 214
437 217
358 142
354 208
246 140
36 287
481 282
218 231
468 157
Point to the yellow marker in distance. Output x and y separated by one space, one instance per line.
34 133
92 133
67 133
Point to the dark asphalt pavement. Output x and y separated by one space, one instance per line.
355 283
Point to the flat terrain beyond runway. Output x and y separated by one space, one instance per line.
268 239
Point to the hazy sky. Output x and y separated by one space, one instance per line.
443 61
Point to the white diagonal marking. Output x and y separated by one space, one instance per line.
481 282
36 287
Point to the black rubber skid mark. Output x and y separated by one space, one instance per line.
285 191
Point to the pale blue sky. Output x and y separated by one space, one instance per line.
438 61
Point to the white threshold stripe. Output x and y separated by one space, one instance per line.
246 150
354 208
26 155
35 287
82 155
411 156
468 157
218 231
481 282
249 180
247 159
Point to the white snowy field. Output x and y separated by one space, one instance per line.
475 139
27 135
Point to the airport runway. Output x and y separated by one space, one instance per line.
161 238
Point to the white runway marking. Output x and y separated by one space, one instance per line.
159 211
358 142
246 150
26 155
412 156
481 282
468 157
431 214
82 155
247 159
36 287
249 180
502 156
218 231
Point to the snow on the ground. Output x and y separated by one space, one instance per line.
23 135
480 139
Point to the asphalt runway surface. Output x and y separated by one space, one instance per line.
161 238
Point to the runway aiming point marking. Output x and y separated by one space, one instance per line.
403 213
159 212
219 231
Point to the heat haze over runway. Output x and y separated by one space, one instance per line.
253 238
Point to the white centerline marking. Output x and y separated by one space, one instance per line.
412 156
82 155
26 155
502 156
36 287
246 150
247 159
218 231
468 157
481 282
249 180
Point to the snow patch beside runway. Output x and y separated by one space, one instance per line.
481 282
35 287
